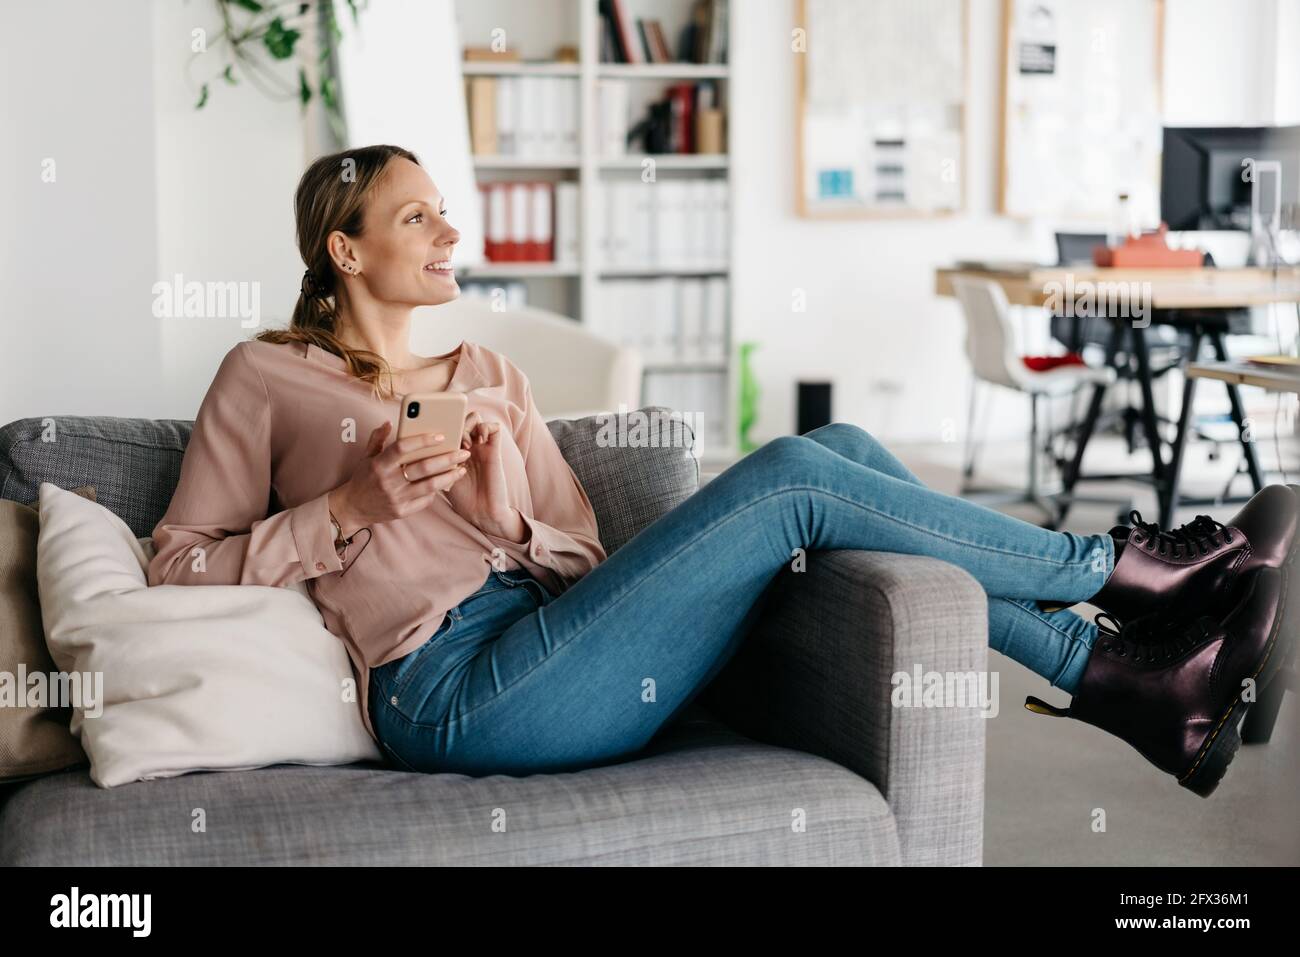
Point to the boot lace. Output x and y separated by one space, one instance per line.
1197 537
1151 638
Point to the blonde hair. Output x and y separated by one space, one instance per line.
332 194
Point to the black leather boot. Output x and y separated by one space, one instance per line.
1197 568
1177 693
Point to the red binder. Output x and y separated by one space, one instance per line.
682 96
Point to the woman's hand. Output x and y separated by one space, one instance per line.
481 497
379 492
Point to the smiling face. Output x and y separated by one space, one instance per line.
405 248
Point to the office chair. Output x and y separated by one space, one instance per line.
990 346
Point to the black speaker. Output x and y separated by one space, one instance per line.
813 406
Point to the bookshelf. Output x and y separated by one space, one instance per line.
694 384
524 68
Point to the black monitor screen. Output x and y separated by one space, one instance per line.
1205 175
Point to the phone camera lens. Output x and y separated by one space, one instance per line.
412 410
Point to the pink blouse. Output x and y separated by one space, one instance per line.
283 424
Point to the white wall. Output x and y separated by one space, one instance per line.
77 254
146 187
873 325
226 175
1219 62
1286 58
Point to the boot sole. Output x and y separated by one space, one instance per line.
1221 746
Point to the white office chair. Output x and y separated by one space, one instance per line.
572 371
990 346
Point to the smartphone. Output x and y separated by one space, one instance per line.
432 413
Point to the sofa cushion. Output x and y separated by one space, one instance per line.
35 739
135 464
630 484
699 795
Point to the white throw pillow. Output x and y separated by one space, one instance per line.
193 677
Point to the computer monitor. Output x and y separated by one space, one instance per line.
1206 175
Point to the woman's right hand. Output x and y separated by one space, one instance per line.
379 492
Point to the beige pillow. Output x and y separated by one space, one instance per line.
174 679
33 740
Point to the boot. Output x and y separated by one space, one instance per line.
1197 568
1176 692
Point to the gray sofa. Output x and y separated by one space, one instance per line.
798 728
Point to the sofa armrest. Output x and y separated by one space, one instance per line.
815 674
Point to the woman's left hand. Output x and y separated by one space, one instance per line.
480 496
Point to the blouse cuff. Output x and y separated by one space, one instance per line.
313 534
540 541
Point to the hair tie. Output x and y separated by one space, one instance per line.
310 289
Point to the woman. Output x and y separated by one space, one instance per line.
490 631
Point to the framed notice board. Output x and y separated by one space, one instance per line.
1081 107
880 116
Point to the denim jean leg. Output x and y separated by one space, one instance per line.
1055 646
859 445
896 494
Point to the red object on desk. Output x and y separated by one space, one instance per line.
1048 363
1150 250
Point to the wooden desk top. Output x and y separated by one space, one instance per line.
1169 288
1244 373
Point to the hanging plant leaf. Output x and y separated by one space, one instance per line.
280 39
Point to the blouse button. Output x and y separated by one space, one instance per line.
320 566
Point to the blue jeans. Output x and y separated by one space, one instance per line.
517 680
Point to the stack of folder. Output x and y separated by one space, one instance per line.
530 221
529 116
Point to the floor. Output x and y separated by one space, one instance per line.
1060 792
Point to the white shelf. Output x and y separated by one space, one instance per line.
696 269
525 162
663 71
667 161
521 270
524 68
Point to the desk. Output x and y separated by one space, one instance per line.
1236 373
1187 298
1169 288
